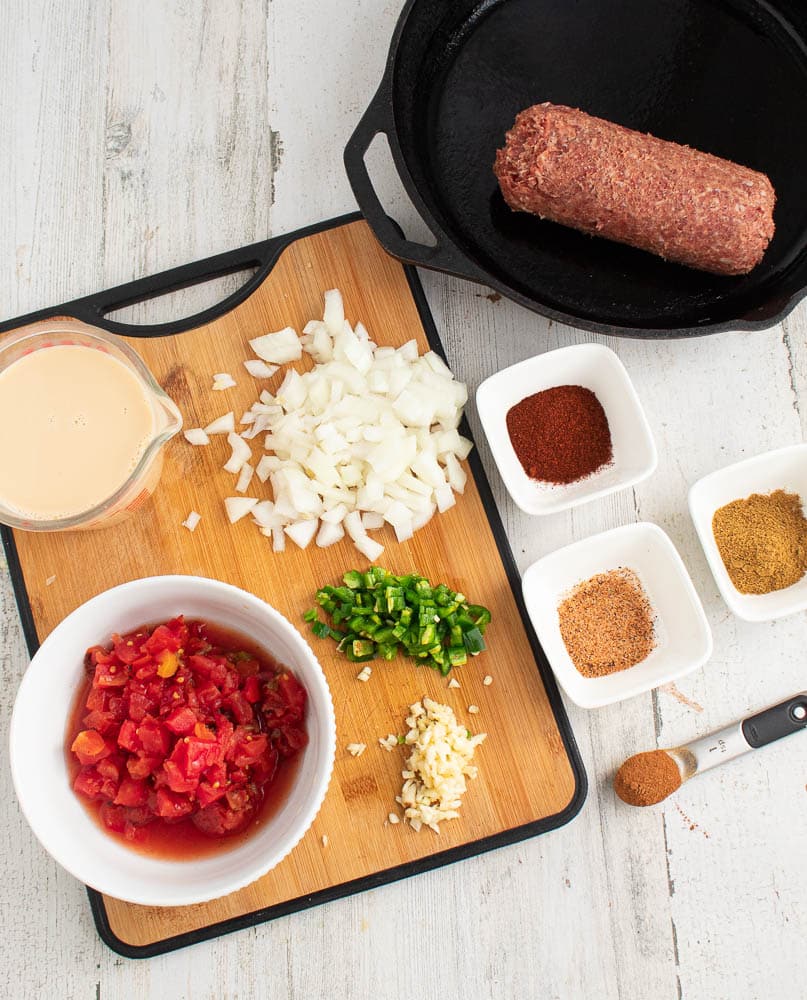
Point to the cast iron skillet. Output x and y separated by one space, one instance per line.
725 76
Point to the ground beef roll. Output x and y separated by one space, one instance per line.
606 180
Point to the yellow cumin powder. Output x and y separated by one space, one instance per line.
762 541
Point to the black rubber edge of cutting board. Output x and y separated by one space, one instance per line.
92 309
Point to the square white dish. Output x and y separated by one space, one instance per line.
594 367
783 469
683 637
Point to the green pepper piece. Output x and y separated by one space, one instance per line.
473 641
427 636
310 615
457 656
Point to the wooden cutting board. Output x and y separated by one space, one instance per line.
530 778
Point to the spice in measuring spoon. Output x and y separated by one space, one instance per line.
647 778
762 541
560 435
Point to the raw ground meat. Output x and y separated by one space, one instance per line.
606 180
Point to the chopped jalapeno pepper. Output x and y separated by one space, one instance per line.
383 614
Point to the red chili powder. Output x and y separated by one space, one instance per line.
560 435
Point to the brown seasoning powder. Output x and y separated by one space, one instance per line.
762 541
647 778
607 623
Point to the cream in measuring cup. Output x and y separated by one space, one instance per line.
83 422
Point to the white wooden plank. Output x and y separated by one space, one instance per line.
140 136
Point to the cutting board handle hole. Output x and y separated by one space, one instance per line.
171 305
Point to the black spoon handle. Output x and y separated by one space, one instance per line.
773 723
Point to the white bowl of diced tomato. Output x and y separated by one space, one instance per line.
172 740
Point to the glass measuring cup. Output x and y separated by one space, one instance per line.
133 492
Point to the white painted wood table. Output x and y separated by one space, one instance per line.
141 135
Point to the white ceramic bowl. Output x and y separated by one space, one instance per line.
783 469
39 722
683 637
594 367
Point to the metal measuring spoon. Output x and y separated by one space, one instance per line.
635 782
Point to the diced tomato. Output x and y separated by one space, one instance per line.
207 793
168 636
126 648
178 724
176 779
88 782
240 707
252 689
128 738
210 669
247 666
139 815
296 739
181 720
111 767
110 675
219 818
116 706
143 765
294 694
102 722
109 788
172 805
90 747
248 749
153 736
145 670
192 756
208 696
98 699
132 793
114 817
139 706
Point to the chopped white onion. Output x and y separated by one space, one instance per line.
278 348
369 548
195 435
259 369
329 533
457 476
301 532
241 453
334 316
222 425
238 507
244 478
266 466
353 526
223 381
444 496
367 437
190 521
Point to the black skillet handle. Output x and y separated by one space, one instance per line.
781 720
94 308
444 256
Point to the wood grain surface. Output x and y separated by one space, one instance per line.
525 774
140 136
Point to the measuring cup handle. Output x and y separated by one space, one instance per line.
773 723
